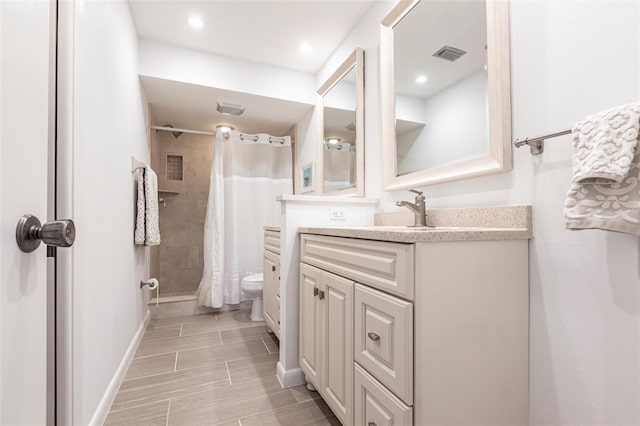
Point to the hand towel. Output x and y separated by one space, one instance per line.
152 227
140 209
605 190
605 144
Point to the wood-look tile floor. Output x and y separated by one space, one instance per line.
213 369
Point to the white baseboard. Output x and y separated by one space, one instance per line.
290 378
102 410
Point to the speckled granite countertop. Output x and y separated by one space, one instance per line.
272 228
462 224
401 234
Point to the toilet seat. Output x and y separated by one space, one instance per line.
253 281
251 285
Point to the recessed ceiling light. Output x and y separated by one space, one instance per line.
421 79
305 48
224 128
195 22
333 141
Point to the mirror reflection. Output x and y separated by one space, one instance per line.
339 129
340 149
441 89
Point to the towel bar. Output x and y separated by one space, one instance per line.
537 144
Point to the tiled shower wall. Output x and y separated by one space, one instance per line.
178 261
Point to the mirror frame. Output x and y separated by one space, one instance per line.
499 105
356 59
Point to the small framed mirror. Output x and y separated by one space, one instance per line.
445 91
340 155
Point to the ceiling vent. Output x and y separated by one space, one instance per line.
449 53
230 109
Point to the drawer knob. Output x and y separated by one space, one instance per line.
315 291
321 294
373 336
372 424
273 268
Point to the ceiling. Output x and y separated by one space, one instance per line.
189 106
268 32
430 26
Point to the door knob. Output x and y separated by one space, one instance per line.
30 232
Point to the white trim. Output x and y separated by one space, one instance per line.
326 199
290 378
102 410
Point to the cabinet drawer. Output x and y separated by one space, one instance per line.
384 339
272 241
383 265
375 405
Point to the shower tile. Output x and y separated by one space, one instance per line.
244 334
231 409
314 412
272 343
148 366
256 367
149 389
174 344
221 353
150 414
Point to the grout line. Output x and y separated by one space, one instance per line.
228 372
168 410
175 365
220 334
180 334
265 345
239 422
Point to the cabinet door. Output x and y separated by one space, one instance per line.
310 323
336 299
271 289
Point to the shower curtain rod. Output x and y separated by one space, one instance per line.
173 129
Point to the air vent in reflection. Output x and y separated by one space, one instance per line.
449 53
350 127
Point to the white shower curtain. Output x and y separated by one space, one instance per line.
246 177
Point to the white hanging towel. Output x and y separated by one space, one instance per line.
147 225
605 189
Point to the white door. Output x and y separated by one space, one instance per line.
27 114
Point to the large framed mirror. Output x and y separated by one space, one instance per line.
340 154
445 91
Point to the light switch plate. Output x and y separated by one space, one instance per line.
338 214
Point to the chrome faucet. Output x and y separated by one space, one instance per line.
418 208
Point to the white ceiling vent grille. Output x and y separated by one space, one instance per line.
449 53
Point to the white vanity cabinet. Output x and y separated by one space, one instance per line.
431 332
271 282
326 337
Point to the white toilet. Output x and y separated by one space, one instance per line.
251 285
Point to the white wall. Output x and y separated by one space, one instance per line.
569 59
190 66
109 306
456 127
